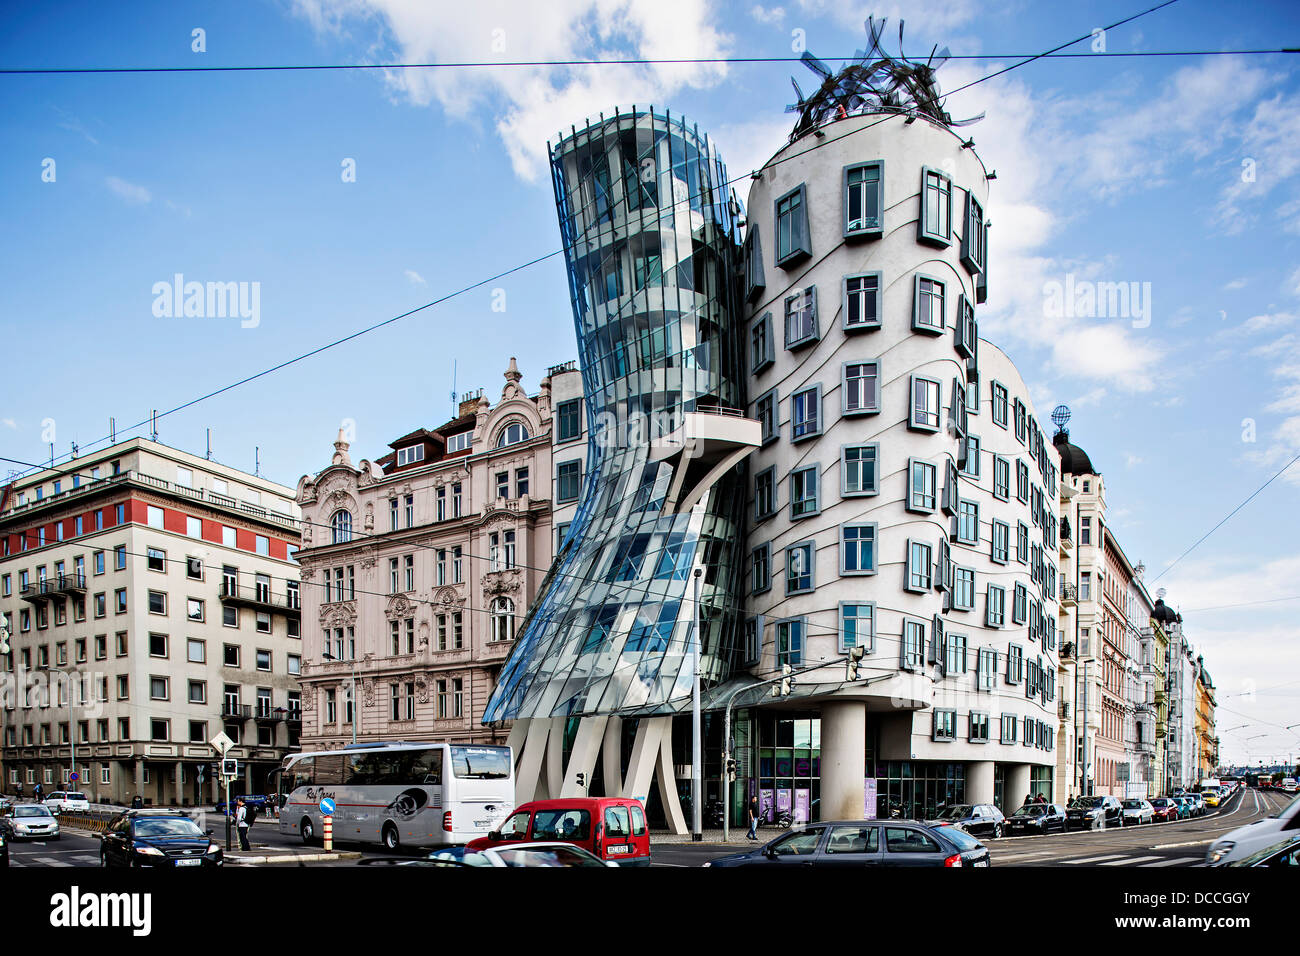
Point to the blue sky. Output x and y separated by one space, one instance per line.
1125 170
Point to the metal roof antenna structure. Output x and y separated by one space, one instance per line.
455 408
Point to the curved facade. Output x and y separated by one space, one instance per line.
903 498
649 241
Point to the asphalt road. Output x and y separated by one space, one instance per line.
1183 843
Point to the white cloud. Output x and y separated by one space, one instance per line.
1267 159
1293 282
532 103
414 277
1131 460
8 423
128 191
937 15
767 16
1235 284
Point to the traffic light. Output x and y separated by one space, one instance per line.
787 681
731 768
230 767
855 655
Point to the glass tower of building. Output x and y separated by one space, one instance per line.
649 235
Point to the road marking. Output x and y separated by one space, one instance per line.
1176 861
1094 859
1023 856
50 861
1130 860
1175 846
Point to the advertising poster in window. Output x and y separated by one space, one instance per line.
767 806
802 801
784 800
869 789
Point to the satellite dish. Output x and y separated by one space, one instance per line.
1061 415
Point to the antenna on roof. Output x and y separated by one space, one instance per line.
112 430
153 424
455 409
209 452
257 461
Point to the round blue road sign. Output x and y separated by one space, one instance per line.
74 777
327 807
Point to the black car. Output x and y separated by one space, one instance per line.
158 838
1036 818
4 845
858 843
1088 813
977 819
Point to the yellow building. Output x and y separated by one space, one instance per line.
1207 743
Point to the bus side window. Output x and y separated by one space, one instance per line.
426 767
329 770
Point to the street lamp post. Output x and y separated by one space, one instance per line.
697 811
352 691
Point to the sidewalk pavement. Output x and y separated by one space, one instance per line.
261 854
715 837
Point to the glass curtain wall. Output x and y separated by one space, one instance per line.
649 234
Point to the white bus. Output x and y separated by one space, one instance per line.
398 793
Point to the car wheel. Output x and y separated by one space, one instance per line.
997 831
308 831
390 838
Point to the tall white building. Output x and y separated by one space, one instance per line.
903 499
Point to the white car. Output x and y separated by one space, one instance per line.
1138 811
1244 841
32 821
516 854
63 801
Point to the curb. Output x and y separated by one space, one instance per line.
292 858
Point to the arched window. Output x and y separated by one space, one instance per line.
503 619
341 527
512 434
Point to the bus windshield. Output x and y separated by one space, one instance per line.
482 763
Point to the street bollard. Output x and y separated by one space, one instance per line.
327 832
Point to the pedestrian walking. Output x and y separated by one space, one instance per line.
1040 799
753 819
242 823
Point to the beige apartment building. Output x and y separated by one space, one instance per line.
152 601
419 566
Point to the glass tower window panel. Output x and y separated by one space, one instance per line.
675 558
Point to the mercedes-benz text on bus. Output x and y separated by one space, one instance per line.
397 793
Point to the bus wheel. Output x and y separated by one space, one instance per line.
391 841
308 831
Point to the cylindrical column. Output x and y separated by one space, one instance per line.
1016 787
979 784
327 833
843 759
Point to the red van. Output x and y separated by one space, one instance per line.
613 828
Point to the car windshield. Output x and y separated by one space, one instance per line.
1031 810
166 827
1086 803
547 856
958 812
491 763
963 839
31 812
1132 804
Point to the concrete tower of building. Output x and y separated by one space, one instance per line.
904 498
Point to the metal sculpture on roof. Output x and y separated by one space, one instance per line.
874 82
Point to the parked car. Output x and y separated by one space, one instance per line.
1164 809
1138 811
613 828
1036 818
32 821
1088 813
508 855
860 843
1211 797
158 838
1198 804
1283 853
979 819
4 845
62 801
1243 841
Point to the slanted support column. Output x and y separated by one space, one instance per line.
582 759
529 784
668 781
611 757
645 752
555 757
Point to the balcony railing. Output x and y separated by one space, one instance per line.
1069 595
67 583
239 711
261 596
151 481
